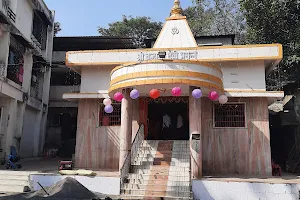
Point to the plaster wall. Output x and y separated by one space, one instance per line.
24 18
218 190
94 79
248 75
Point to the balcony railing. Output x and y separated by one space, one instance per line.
37 83
15 74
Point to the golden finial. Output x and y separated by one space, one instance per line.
176 9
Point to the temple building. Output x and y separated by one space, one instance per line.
178 109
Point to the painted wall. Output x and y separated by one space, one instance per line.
24 19
31 131
248 75
218 190
244 151
96 147
94 79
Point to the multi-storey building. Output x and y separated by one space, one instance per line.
26 40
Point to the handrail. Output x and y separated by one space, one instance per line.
138 139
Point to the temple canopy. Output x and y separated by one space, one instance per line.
176 61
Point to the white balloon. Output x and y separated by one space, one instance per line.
107 102
223 99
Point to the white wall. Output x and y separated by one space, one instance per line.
31 131
218 190
24 18
4 50
94 79
4 103
243 75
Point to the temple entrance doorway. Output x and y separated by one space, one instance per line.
168 119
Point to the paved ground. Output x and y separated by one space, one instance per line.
50 165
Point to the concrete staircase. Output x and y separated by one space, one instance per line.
13 181
161 169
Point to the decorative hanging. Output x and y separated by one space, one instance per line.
118 96
223 99
213 95
176 91
154 93
134 94
108 109
197 93
107 102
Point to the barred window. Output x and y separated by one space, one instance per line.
110 119
231 115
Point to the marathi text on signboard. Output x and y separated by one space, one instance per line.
172 55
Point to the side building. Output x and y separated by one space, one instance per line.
62 115
26 41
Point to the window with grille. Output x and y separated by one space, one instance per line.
231 115
110 119
39 30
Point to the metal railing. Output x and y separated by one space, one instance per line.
139 137
14 74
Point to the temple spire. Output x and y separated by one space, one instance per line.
176 9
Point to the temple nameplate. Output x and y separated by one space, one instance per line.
172 55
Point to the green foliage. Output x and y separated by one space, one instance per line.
56 28
276 21
139 29
217 17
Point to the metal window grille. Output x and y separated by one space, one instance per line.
37 80
110 119
39 30
229 115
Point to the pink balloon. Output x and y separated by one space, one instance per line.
213 95
118 96
176 91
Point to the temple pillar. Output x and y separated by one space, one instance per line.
195 135
126 127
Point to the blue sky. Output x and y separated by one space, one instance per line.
82 17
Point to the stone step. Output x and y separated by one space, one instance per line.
18 173
5 181
158 182
153 197
129 186
4 188
178 148
13 177
161 163
163 172
160 193
139 168
158 177
160 154
175 160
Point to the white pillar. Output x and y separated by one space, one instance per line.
195 135
126 127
